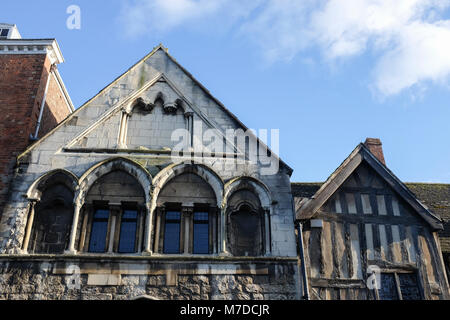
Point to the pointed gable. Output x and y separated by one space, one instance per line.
363 185
170 95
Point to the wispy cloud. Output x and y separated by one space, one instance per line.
409 39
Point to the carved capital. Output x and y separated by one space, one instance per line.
142 106
170 108
187 210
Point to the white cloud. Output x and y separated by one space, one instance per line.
142 16
422 53
409 39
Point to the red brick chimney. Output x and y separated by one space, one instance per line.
375 147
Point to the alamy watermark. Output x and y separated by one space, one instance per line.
74 19
235 150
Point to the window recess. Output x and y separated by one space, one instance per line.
398 286
113 228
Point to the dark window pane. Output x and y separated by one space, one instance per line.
129 214
408 286
99 229
172 215
201 233
172 232
4 32
128 231
387 290
245 233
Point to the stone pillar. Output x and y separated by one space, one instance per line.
115 210
148 229
122 143
159 213
189 127
73 233
267 249
187 214
223 233
140 227
29 228
88 210
214 222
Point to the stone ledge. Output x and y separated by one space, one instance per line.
144 258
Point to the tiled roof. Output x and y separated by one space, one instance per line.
305 189
434 195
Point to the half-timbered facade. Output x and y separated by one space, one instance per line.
367 236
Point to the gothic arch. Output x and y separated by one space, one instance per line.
63 176
129 166
250 183
247 208
50 212
206 173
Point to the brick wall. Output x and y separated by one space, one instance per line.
56 109
22 85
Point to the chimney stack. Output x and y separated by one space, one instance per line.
375 147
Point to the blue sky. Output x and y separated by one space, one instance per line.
327 73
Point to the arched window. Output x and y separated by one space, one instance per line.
52 219
186 216
113 215
246 227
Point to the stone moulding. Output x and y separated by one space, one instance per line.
101 258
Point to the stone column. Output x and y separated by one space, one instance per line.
148 229
29 227
187 213
189 116
115 210
123 130
73 233
159 213
223 233
267 250
87 212
214 221
140 227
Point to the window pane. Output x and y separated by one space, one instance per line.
128 231
172 232
381 205
395 206
350 197
365 199
408 286
337 203
4 32
387 290
201 232
99 229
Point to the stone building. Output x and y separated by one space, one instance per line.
106 194
153 189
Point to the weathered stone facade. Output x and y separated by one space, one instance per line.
113 156
50 278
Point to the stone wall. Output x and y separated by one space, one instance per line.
51 278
